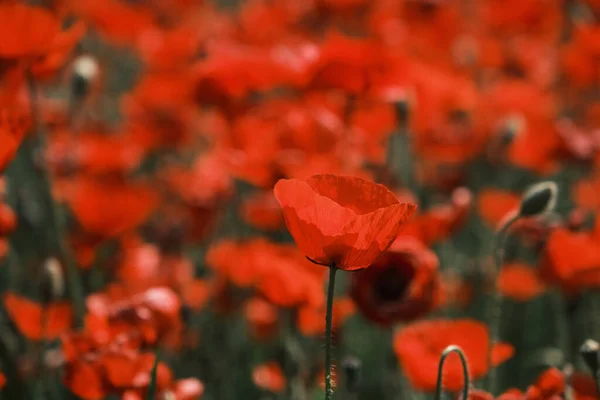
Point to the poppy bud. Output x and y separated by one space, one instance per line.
589 353
538 199
53 283
85 70
513 125
352 367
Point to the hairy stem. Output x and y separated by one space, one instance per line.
495 310
463 359
328 318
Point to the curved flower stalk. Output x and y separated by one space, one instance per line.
463 359
537 200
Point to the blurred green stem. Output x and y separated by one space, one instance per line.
496 302
328 319
56 219
467 379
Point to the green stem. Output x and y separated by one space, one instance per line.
57 220
463 359
496 303
328 318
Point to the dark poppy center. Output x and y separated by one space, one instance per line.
393 282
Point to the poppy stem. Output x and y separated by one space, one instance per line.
328 319
496 302
57 219
465 365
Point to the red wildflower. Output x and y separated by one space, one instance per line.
440 221
583 386
111 208
494 205
585 193
13 128
279 272
403 284
519 282
419 346
262 211
26 31
269 376
572 259
341 220
36 321
262 317
550 385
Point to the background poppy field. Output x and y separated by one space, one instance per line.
179 179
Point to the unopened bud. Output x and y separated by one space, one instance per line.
352 368
589 353
538 199
85 71
53 282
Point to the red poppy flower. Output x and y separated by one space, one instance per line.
35 321
269 376
440 221
117 21
585 193
279 272
262 317
572 259
550 385
262 211
26 31
420 345
13 127
341 220
519 282
494 205
94 153
403 284
584 387
60 49
111 208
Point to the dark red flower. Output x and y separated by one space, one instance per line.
403 284
341 220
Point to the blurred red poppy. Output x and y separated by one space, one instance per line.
111 208
402 285
550 385
269 376
519 282
440 221
494 205
35 321
584 387
13 127
420 345
341 221
262 211
26 31
262 317
572 259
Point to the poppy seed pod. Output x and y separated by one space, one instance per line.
538 199
589 353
